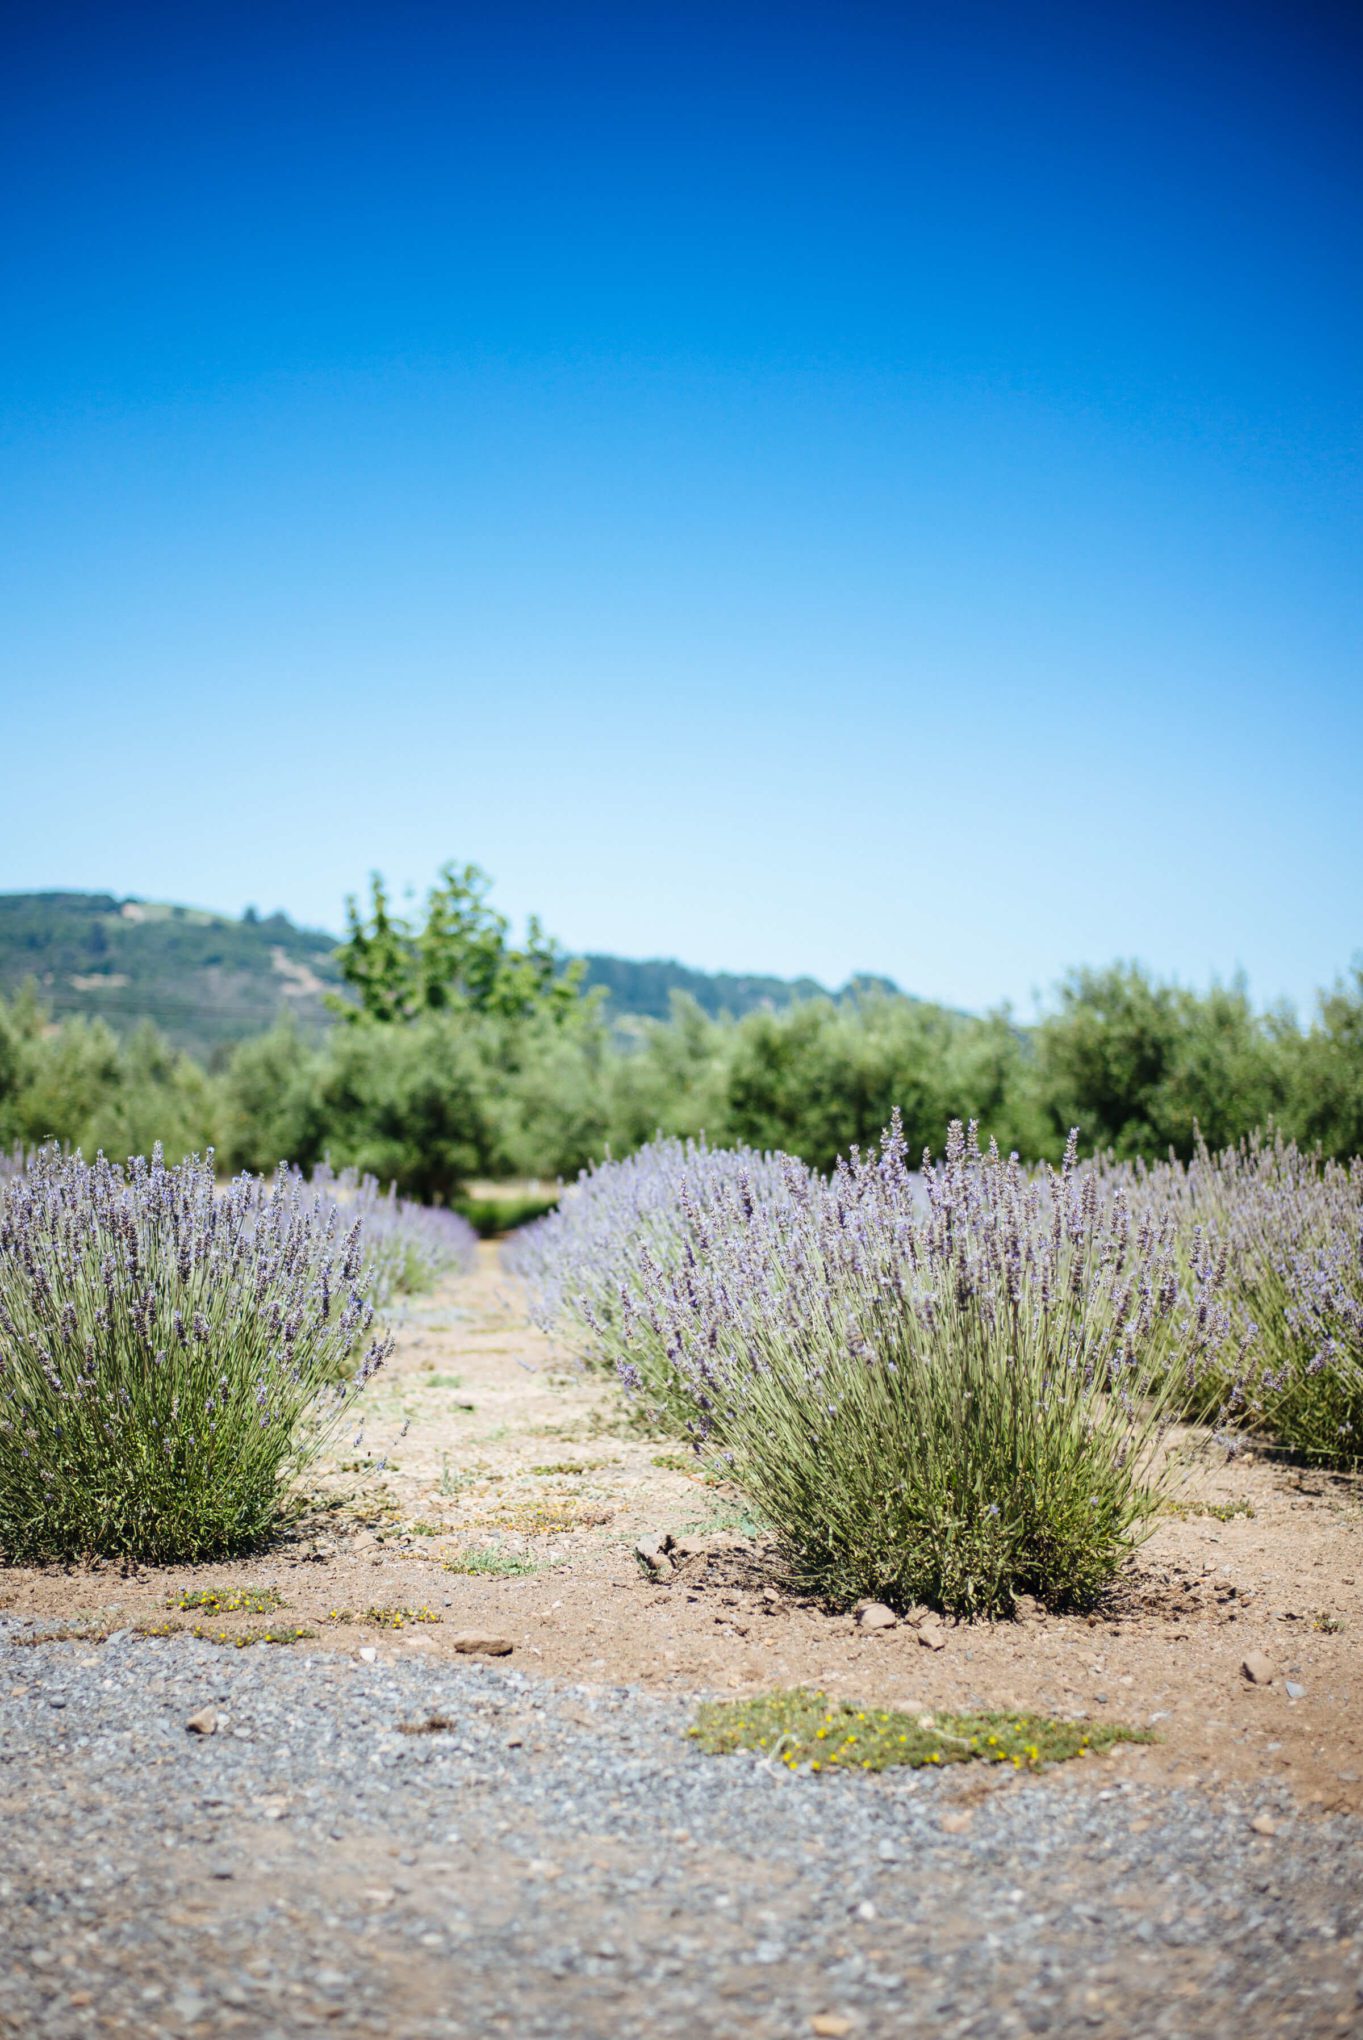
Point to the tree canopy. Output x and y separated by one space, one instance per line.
457 959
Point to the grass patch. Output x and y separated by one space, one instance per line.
490 1216
1327 1624
101 1631
689 1464
801 1728
227 1600
489 1562
1223 1512
550 1519
452 1483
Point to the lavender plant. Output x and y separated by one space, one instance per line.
168 1354
1290 1228
947 1388
589 1265
407 1246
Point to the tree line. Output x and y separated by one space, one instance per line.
458 1053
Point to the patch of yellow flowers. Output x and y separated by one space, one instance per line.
385 1618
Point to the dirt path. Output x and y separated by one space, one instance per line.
502 1454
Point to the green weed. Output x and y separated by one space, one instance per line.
227 1600
1222 1512
243 1638
803 1728
489 1561
385 1617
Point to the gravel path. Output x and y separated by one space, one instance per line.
561 1863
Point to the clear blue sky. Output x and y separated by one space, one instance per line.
807 488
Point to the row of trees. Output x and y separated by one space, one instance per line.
459 1054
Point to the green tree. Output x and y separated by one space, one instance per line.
11 1065
1138 1066
271 1110
459 959
819 1077
1326 1072
669 1076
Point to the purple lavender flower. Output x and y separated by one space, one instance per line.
130 1298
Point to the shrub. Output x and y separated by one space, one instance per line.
946 1389
626 1226
167 1354
407 1246
1289 1227
1140 1065
505 1212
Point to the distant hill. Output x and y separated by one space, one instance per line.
207 980
646 988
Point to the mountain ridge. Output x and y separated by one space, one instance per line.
207 980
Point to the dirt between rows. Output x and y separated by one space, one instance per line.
496 1443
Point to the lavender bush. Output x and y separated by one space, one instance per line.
1290 1228
168 1354
407 1246
624 1226
946 1388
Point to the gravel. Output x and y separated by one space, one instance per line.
560 1862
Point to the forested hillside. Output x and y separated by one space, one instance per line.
206 980
203 979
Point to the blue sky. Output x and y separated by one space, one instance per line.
796 489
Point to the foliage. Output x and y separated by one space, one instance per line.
1325 1105
505 1213
471 1057
457 961
407 1246
270 1104
804 1728
227 1600
1289 1228
1141 1066
80 1085
491 1561
242 1639
590 1263
430 1105
943 1390
385 1617
167 1354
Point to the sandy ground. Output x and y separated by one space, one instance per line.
496 1443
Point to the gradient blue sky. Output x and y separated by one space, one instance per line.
804 488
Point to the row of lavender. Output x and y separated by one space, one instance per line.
174 1353
951 1385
